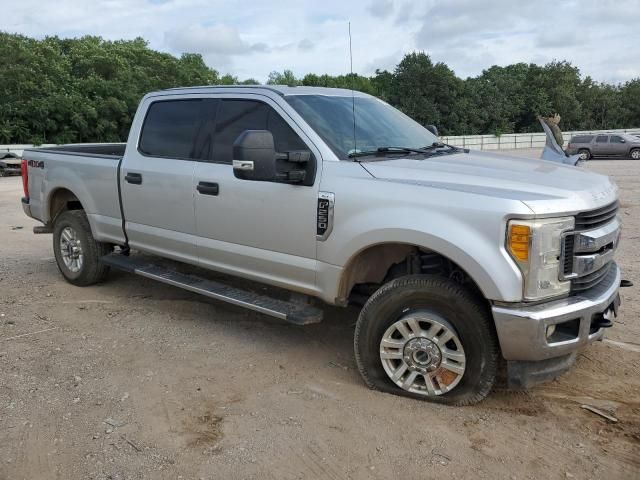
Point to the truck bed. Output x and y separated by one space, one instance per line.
115 150
90 171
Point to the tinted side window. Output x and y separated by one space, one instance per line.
602 138
582 139
170 128
236 116
616 139
284 138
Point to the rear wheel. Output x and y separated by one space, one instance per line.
584 154
635 154
77 252
428 338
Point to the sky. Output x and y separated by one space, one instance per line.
249 39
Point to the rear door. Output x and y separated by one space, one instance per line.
157 179
258 229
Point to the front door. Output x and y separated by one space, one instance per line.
157 180
261 230
618 146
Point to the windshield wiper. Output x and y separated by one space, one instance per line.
385 150
436 145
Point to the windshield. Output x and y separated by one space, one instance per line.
378 124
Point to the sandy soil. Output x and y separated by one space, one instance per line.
132 379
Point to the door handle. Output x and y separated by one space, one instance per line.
208 188
135 178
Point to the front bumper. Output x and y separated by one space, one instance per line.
522 330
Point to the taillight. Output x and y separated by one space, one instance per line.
24 171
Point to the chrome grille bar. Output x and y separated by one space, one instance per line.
597 217
587 253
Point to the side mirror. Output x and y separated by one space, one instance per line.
255 158
433 129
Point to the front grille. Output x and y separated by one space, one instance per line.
596 218
567 252
587 222
591 280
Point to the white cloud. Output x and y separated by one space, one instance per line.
561 39
216 43
217 39
305 45
469 36
380 8
250 39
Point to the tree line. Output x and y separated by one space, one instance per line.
87 89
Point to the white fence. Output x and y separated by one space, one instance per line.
17 149
510 141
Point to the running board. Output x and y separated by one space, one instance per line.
296 313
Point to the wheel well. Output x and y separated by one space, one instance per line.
62 200
376 265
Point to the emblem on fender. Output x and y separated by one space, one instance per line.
324 217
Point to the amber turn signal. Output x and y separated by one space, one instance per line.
519 239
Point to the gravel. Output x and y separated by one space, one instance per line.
171 385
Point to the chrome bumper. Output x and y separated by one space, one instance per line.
522 330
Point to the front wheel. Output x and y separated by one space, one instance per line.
428 338
77 252
635 154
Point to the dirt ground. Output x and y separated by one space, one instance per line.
132 379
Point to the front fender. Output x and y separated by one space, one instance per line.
475 246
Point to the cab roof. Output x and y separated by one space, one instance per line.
283 90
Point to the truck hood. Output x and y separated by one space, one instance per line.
545 187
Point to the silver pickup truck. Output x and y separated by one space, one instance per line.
466 264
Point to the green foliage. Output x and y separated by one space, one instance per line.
87 90
83 90
285 78
427 92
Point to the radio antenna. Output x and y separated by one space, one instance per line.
353 95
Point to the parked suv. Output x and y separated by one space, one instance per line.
619 145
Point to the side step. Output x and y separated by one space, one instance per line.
296 313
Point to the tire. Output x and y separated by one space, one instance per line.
584 154
74 225
635 154
434 301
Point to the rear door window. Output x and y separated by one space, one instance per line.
602 138
171 127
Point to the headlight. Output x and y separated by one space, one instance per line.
535 246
